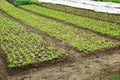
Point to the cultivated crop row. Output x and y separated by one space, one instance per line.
79 39
22 47
99 26
82 12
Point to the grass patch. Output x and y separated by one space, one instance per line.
115 77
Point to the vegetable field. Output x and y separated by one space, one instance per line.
22 47
81 32
107 28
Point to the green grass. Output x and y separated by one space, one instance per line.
83 12
115 77
79 39
22 47
99 26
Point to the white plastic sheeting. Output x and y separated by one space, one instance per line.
107 7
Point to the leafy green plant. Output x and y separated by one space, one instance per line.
83 12
99 26
21 46
79 39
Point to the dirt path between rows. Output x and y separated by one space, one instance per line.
3 70
85 69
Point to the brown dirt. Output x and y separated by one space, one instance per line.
85 69
3 69
89 68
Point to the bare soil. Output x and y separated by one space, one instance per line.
84 69
3 68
